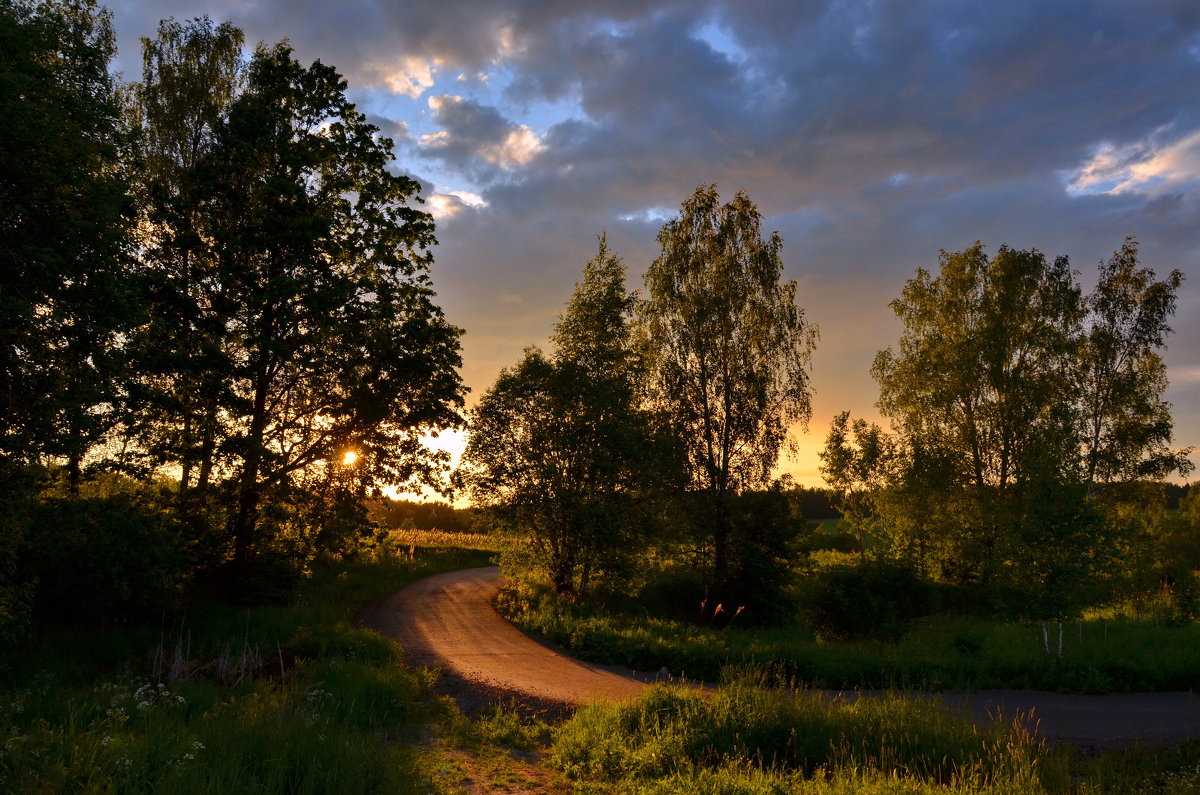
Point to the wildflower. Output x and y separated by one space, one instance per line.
105 741
197 746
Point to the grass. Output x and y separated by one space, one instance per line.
285 698
417 539
750 738
296 698
1101 654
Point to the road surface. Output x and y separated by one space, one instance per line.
447 621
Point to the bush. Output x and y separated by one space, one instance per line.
102 558
874 599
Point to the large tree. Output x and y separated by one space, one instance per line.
331 340
559 449
1011 395
65 299
730 353
979 385
192 73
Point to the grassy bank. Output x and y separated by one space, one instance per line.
282 698
752 739
1111 653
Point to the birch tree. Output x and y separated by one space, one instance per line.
730 353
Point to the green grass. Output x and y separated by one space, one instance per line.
285 698
1102 654
748 738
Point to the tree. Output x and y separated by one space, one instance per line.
979 385
65 299
559 449
324 291
1121 378
192 73
730 353
856 463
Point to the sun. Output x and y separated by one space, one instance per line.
349 458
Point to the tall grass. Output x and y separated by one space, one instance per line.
747 737
283 698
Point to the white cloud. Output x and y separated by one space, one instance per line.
1158 164
646 215
439 138
450 203
411 76
519 146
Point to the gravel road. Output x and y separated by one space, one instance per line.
447 621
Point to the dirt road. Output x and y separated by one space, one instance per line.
447 621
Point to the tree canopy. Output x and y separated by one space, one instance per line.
559 447
729 351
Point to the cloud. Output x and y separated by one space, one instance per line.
447 204
472 134
1157 165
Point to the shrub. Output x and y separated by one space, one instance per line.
874 599
102 558
675 733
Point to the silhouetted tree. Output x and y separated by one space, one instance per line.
65 296
559 449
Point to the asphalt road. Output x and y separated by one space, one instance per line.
447 621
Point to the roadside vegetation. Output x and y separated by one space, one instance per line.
213 697
755 736
1116 650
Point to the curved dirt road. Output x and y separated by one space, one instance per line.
448 621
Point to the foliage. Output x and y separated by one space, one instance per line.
1126 423
857 463
978 384
17 494
1011 396
103 558
192 73
339 346
559 453
729 353
1132 647
409 515
269 699
65 297
874 599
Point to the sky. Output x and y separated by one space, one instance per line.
871 134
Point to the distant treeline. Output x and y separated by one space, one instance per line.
410 515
